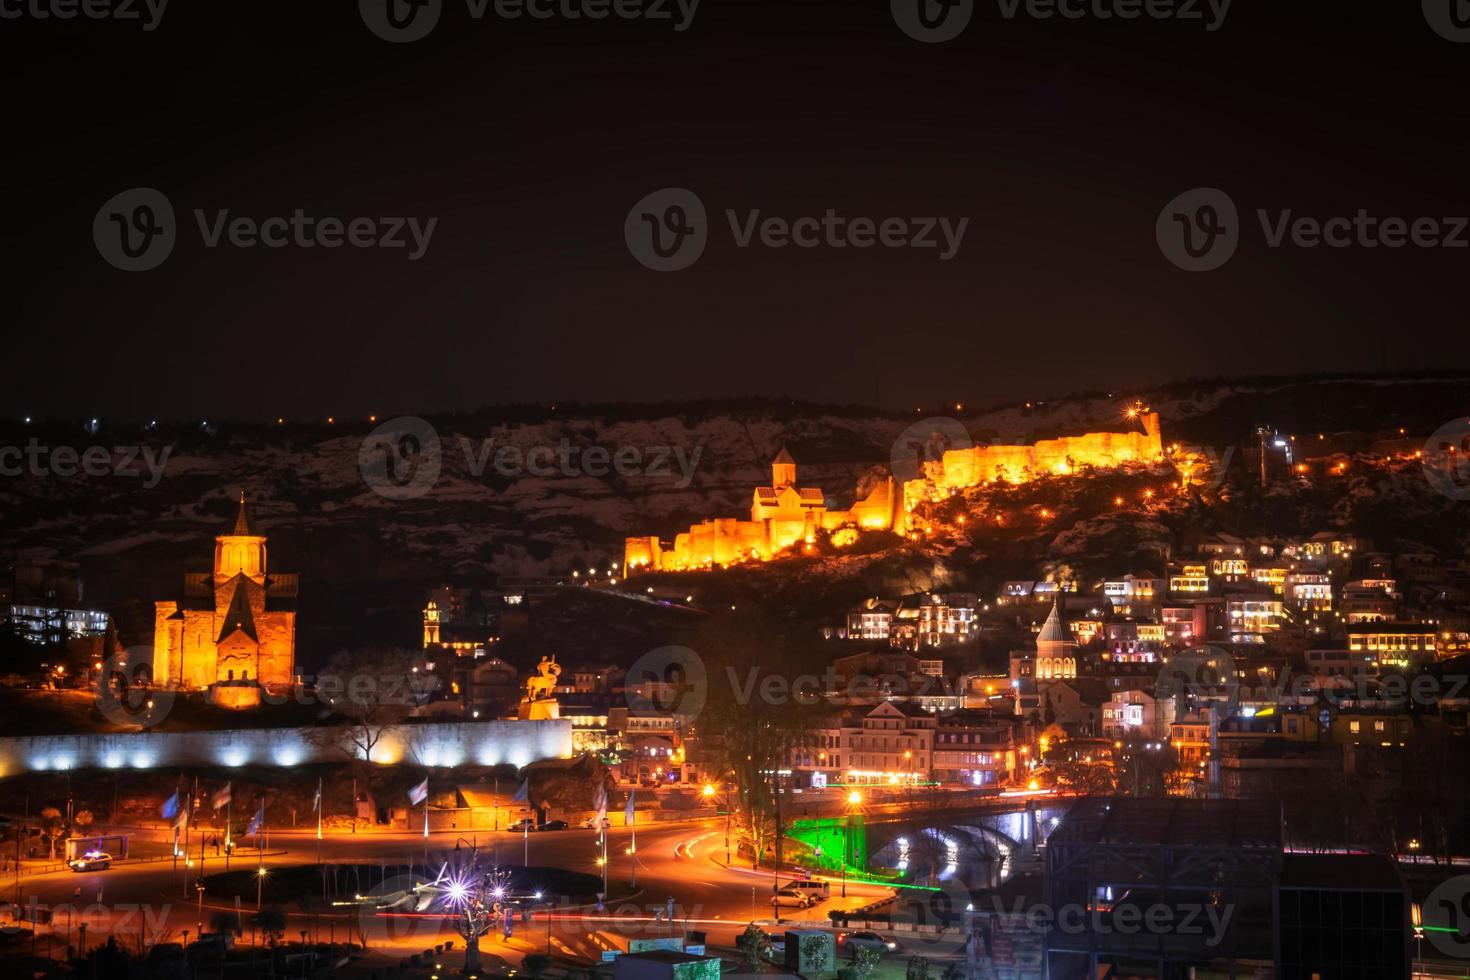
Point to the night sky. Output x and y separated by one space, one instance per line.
529 140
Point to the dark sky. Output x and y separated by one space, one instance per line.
530 140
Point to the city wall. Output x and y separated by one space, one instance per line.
445 744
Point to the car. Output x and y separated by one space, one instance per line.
523 825
592 823
92 861
554 825
789 897
865 939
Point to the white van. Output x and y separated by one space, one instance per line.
819 891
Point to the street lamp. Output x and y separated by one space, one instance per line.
854 800
1416 915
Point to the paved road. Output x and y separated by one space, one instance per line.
148 902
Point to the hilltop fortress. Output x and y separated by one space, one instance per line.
784 514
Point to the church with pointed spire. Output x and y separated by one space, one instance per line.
233 631
1056 650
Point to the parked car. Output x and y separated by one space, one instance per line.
794 898
591 823
865 939
554 825
522 825
92 861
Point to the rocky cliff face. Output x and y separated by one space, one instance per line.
543 493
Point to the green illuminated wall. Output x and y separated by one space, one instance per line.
843 840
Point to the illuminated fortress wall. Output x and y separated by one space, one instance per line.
782 515
960 468
483 743
785 515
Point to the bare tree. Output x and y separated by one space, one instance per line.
368 695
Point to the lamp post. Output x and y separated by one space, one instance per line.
1417 916
260 874
854 801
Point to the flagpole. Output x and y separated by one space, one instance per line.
259 856
229 824
318 820
188 827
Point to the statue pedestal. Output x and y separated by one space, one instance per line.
542 709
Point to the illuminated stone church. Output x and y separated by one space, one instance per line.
1056 650
234 630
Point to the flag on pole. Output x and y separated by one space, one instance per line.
601 806
523 795
257 821
316 803
419 793
171 807
628 811
183 817
220 797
